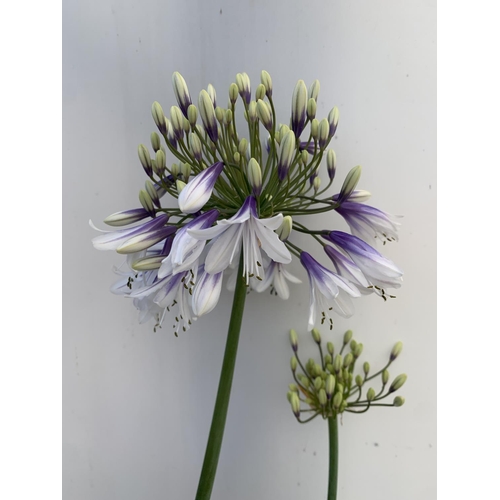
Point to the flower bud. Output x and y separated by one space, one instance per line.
148 263
385 377
145 159
260 92
323 133
331 163
153 194
265 79
186 171
293 388
311 108
348 359
316 184
322 397
293 363
330 368
174 170
397 383
359 380
333 121
126 217
328 359
330 385
330 348
159 117
237 157
370 395
287 151
350 183
233 93
264 113
289 396
316 335
318 383
146 201
337 400
314 90
219 114
192 115
252 111
337 364
186 125
398 401
299 106
366 368
293 340
155 141
317 370
181 92
244 89
314 129
195 145
254 176
285 229
207 113
160 163
303 380
396 350
347 336
357 351
295 403
228 117
180 185
212 94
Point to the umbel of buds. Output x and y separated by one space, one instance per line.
339 382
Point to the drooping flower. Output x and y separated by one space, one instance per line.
199 189
379 270
276 277
243 231
325 288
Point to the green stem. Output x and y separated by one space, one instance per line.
333 434
214 444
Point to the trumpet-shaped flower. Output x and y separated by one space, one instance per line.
276 277
243 230
199 189
325 287
377 269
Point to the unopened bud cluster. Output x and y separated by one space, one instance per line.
339 382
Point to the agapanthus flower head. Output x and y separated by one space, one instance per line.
236 196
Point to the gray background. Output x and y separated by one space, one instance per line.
137 404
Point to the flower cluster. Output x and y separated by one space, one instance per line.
331 387
237 200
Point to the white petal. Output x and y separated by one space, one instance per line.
271 244
223 249
206 293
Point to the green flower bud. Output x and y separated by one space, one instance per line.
233 93
174 169
397 383
370 395
330 385
311 108
359 380
350 183
299 107
237 157
153 194
357 352
314 90
186 171
317 369
293 388
316 335
265 79
396 350
148 263
340 388
219 114
337 400
146 201
333 120
207 113
385 377
303 380
285 229
323 130
243 83
304 156
177 120
284 129
343 406
252 111
347 337
316 184
264 113
353 345
289 396
145 159
398 401
192 113
348 359
213 95
318 383
254 176
314 129
295 403
330 368
155 141
366 367
159 117
160 163
330 348
293 363
260 92
180 185
293 340
195 146
328 359
187 125
322 397
228 117
337 364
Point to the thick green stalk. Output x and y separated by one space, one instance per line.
333 468
214 444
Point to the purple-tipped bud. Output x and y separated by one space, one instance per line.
244 88
181 92
333 120
299 107
211 92
287 151
207 113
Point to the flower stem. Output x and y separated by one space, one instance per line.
333 435
214 444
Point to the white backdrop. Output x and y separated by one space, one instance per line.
137 404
